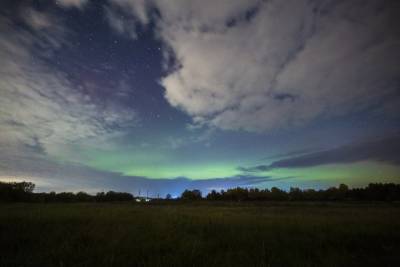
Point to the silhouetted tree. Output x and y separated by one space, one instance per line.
278 194
296 194
23 191
65 197
16 191
191 195
84 197
213 195
113 196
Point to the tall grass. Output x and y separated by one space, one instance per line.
127 234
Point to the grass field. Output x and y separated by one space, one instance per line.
207 234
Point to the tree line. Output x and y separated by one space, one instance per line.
372 192
23 191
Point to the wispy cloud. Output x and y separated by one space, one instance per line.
382 150
72 3
121 22
39 107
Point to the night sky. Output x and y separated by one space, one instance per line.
157 95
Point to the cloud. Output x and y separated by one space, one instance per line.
72 3
126 16
262 65
382 150
39 107
138 8
121 23
37 20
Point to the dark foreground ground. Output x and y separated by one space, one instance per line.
207 234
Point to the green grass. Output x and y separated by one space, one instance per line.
127 234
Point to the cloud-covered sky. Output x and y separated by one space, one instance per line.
162 95
261 65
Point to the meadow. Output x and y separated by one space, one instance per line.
200 234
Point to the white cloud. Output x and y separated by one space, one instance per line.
124 16
40 109
136 7
36 19
120 23
258 66
72 3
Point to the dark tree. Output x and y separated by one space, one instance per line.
191 195
22 191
